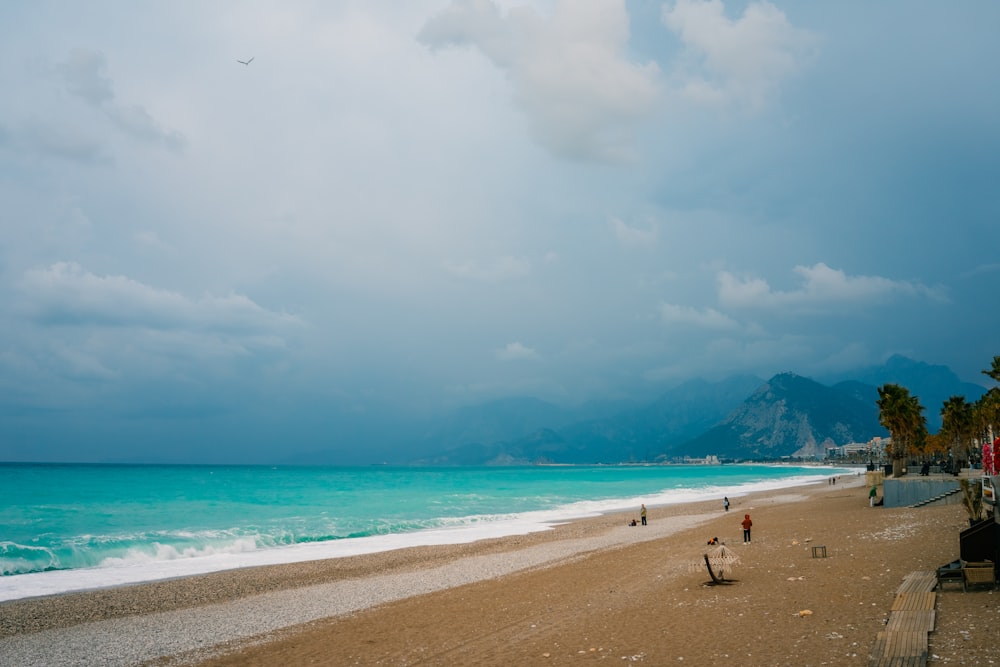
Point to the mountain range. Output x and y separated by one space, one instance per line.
740 418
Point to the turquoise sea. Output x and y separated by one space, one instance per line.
70 527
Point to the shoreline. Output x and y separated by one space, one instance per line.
39 613
360 606
56 582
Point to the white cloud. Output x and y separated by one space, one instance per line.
82 364
569 72
148 238
66 294
499 270
742 61
136 122
706 318
821 285
85 76
475 23
371 172
982 269
514 351
633 236
62 140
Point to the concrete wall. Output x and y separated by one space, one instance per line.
905 491
874 478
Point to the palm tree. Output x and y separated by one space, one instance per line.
994 371
986 415
988 406
902 415
957 427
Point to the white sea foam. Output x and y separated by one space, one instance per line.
140 567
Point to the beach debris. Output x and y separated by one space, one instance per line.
720 562
805 612
796 578
835 635
546 655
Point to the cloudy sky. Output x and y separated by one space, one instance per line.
402 207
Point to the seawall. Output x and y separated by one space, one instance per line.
905 491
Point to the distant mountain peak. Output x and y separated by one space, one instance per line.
790 415
742 417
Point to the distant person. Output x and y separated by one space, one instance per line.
632 522
642 513
871 496
713 541
725 503
747 523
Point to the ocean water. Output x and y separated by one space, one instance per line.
74 527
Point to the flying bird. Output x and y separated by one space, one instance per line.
245 62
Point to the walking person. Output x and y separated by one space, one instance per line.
642 513
725 503
746 529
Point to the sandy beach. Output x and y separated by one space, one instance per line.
592 590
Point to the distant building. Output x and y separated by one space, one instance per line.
877 446
873 450
711 460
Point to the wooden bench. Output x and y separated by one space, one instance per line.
950 574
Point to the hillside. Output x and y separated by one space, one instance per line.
931 384
741 417
790 416
633 434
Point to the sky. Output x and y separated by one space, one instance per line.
396 209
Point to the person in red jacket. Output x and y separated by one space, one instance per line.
746 528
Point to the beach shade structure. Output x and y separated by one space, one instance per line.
720 562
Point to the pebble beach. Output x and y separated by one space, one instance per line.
591 590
